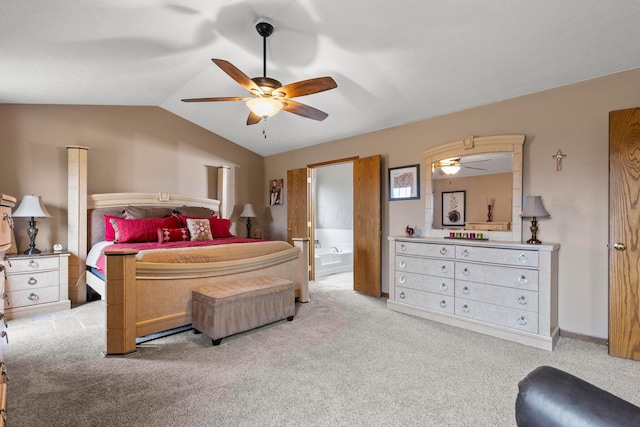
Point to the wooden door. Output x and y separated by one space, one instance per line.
297 204
367 230
624 233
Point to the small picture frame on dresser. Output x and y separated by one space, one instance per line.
453 208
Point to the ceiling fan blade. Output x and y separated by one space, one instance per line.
471 167
237 75
253 118
304 110
228 98
307 87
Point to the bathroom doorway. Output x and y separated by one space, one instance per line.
332 218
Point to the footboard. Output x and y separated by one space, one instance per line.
144 298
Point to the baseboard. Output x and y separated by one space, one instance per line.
581 337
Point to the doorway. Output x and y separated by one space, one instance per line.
332 218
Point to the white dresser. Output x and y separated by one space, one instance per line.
36 284
504 289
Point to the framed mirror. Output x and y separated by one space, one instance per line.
489 172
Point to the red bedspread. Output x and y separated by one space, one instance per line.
100 264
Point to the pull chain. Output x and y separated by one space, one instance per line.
264 127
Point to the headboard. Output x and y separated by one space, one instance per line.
114 204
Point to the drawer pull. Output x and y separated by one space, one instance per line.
402 295
522 320
523 300
32 281
522 258
33 297
4 319
403 247
33 264
466 272
466 308
402 279
444 251
523 279
465 253
5 336
403 264
443 304
443 269
466 290
443 286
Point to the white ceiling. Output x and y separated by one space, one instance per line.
394 62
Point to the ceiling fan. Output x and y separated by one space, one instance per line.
269 96
452 166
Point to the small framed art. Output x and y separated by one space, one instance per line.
275 191
404 182
453 208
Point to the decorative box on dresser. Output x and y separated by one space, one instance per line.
36 284
503 289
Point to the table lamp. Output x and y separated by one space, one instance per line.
248 213
534 209
31 207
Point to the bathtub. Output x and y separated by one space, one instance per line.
329 261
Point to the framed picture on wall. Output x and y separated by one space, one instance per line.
453 208
404 182
275 191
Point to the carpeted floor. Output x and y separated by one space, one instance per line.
345 360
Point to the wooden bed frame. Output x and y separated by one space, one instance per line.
145 298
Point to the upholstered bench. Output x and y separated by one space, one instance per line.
228 308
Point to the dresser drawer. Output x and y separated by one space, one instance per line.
433 267
31 297
498 315
425 249
516 257
519 278
443 303
22 281
498 295
21 265
423 282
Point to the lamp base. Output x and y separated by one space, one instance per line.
534 241
32 251
534 230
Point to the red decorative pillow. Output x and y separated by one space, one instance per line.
172 234
220 227
184 218
109 232
141 230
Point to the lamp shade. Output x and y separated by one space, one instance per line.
451 169
533 207
31 206
264 107
248 211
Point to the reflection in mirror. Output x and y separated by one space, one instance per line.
485 176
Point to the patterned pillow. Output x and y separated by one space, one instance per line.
199 229
172 235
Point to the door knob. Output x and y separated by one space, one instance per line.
289 230
620 246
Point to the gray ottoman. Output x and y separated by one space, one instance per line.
231 307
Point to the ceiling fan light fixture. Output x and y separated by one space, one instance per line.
264 107
450 169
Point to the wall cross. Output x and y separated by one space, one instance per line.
559 156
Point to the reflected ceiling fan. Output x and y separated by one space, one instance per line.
269 96
452 166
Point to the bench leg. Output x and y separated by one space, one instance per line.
216 342
290 318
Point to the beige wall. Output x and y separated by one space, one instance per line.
141 149
572 118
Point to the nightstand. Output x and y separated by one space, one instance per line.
36 284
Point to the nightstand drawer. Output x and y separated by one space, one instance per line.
24 281
31 297
40 263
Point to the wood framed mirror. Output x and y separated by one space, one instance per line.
499 158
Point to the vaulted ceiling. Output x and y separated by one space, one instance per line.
394 62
